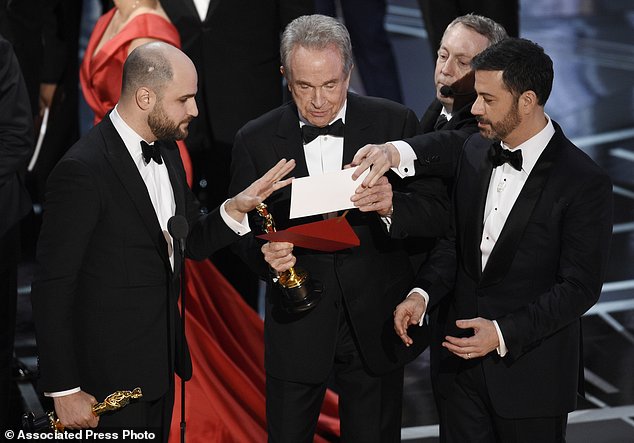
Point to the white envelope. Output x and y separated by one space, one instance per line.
323 193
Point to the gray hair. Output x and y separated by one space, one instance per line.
147 66
316 32
492 30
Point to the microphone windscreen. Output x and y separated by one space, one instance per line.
446 91
178 227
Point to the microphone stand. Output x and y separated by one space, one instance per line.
181 247
179 229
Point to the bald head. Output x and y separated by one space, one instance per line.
151 66
158 92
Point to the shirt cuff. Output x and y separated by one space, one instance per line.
426 298
408 156
240 228
502 349
387 220
62 393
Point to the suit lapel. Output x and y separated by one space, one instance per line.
511 235
125 169
288 140
474 216
188 5
430 116
213 4
358 122
170 152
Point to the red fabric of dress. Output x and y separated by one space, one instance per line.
225 397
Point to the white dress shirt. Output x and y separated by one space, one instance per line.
325 153
202 6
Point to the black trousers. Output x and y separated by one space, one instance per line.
141 416
467 415
9 257
369 406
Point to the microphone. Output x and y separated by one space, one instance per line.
446 91
462 91
178 228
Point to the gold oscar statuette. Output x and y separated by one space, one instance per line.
299 292
113 402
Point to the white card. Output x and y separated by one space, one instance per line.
323 193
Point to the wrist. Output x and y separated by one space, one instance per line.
395 157
232 210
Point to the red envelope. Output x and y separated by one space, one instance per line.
328 235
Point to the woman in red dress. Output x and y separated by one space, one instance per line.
225 397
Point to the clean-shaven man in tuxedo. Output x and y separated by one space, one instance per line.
105 294
448 120
348 334
532 220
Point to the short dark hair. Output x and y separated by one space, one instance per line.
524 65
148 66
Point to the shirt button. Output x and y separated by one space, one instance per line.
406 170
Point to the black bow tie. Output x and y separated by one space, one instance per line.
499 156
151 152
310 133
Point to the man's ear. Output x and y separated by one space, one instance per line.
145 98
349 76
288 81
527 101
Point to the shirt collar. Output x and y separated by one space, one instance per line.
446 113
340 115
130 138
534 146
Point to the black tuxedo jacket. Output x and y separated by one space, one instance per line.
545 271
16 139
236 50
370 279
438 151
105 296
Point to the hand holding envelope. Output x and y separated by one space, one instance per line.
377 198
323 194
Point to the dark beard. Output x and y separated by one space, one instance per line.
163 128
501 129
